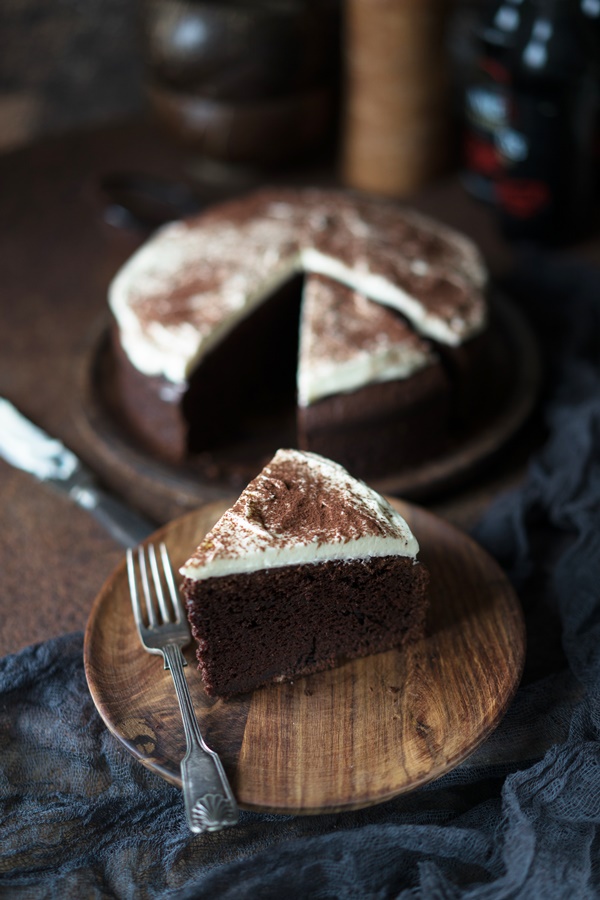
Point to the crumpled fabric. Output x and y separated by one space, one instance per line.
520 818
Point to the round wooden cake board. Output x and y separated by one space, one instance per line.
164 492
347 738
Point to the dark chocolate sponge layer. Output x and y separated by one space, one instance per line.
382 427
248 375
278 624
149 407
372 431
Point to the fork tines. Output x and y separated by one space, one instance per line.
161 600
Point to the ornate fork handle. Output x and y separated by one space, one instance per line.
209 801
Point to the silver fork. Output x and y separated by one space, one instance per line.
163 628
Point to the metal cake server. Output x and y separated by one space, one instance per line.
29 448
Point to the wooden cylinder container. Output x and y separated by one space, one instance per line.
396 106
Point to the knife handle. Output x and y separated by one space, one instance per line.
123 524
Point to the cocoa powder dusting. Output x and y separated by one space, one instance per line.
299 498
200 270
339 323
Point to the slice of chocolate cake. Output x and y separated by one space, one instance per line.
308 567
367 382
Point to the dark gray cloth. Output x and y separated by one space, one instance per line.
81 819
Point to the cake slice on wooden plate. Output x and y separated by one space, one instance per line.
310 566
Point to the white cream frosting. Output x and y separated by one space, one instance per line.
381 290
172 258
204 276
324 379
347 341
246 540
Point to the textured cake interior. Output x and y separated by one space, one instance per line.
281 623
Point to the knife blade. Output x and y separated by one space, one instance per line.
27 447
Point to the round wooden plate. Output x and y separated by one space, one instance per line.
164 491
347 738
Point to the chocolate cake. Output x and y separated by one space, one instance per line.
391 305
367 382
309 567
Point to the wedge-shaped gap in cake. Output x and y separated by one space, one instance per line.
245 388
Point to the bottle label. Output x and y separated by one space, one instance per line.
486 106
523 198
481 155
486 111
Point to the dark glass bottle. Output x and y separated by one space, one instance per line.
487 96
589 21
542 102
545 186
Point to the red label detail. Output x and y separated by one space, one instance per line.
481 156
523 198
495 70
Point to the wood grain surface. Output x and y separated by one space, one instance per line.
351 737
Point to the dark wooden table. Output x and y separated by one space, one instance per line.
57 256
